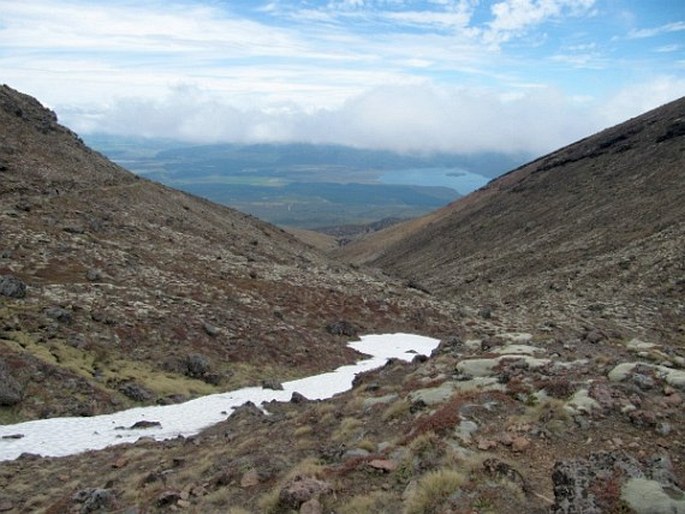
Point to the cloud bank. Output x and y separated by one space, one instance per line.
408 75
412 118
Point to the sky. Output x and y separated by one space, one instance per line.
409 75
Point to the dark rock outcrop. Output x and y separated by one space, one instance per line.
12 287
11 391
596 484
342 328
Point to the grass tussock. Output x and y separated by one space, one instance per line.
396 410
303 431
377 502
434 491
347 429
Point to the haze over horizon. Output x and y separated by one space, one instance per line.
433 75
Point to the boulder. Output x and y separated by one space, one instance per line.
94 275
58 314
12 287
302 489
341 328
197 365
95 500
135 392
168 498
272 383
11 391
603 481
298 398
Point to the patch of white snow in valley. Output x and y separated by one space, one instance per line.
56 437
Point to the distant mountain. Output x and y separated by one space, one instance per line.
235 157
566 231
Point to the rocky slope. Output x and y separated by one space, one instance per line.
592 232
115 290
567 402
494 422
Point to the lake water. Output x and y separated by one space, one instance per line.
57 437
460 180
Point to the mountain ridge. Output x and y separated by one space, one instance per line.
613 200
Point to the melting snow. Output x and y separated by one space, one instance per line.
56 437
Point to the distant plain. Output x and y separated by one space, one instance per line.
309 186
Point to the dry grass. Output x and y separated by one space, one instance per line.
433 491
397 409
347 429
303 431
376 502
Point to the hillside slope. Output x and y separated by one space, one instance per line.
117 290
549 399
595 229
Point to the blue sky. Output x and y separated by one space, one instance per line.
450 75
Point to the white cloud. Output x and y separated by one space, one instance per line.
657 31
401 74
668 48
422 117
514 17
640 97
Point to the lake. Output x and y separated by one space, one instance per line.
460 180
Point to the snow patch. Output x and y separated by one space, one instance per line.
56 437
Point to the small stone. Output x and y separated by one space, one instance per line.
184 504
59 314
312 506
486 444
506 440
94 275
355 453
168 498
145 424
6 505
273 384
673 400
210 329
249 479
664 428
298 398
383 465
594 336
74 229
520 444
120 462
13 436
